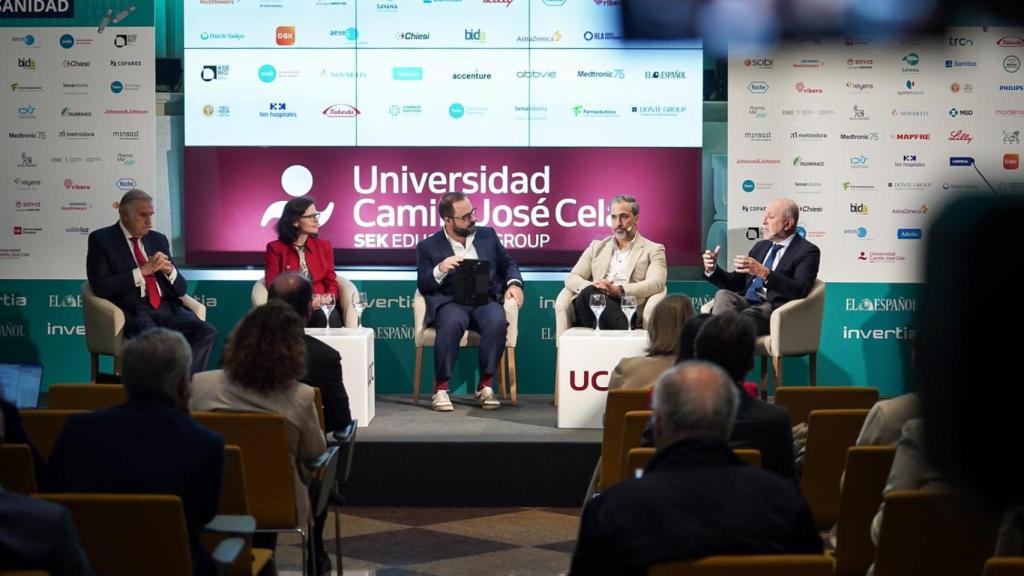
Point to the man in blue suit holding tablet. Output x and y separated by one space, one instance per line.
437 261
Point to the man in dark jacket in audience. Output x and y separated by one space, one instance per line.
696 498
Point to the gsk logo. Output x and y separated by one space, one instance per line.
588 379
285 35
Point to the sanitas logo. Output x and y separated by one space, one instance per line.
961 64
341 111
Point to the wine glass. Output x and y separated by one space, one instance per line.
327 305
629 309
359 303
597 304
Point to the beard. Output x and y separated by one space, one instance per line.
464 231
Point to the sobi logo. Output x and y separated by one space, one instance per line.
67 41
297 181
456 110
748 186
116 87
267 73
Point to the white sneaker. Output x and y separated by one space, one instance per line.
441 401
485 396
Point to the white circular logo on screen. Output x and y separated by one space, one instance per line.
297 181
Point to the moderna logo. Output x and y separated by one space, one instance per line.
285 35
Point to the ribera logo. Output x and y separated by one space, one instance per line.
285 35
341 111
70 184
805 89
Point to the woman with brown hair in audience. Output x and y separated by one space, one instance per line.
663 341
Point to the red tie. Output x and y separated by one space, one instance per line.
152 292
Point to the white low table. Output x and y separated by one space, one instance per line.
357 371
586 359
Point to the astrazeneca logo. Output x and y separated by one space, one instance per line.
757 87
341 111
537 74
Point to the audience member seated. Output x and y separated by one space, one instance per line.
150 444
663 340
263 359
695 498
728 341
14 432
299 249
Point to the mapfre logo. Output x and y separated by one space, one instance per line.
580 380
285 35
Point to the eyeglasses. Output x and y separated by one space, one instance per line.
313 216
466 217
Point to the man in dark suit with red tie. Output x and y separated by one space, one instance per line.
437 260
780 268
129 264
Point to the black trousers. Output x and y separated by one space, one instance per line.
611 319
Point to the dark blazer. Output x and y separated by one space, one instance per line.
39 535
110 262
144 447
323 370
765 427
695 499
281 257
431 251
793 277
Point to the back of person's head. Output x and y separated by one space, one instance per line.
727 340
155 366
694 399
688 335
666 321
294 290
969 389
265 352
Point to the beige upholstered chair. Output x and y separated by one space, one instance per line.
795 330
347 289
766 565
564 318
424 336
104 327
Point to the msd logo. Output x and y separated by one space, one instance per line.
587 379
285 35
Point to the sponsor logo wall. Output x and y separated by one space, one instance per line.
881 135
76 120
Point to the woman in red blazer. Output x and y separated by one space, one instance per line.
297 234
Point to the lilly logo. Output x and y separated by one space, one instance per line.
297 181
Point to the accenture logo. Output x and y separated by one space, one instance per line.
757 87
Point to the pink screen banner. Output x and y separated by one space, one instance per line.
546 204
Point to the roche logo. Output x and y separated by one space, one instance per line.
757 87
126 183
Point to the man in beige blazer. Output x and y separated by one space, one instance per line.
623 263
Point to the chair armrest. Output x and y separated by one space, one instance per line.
105 323
237 524
345 291
419 312
649 306
346 435
563 313
195 306
512 317
227 552
796 325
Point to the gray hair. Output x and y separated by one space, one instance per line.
695 398
154 364
789 209
133 195
634 205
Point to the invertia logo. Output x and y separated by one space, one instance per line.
285 35
341 111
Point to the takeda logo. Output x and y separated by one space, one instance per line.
341 111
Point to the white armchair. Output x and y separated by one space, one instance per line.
347 289
425 335
104 327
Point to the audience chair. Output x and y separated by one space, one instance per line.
565 318
344 305
44 426
749 456
933 533
1004 566
17 471
795 330
85 396
346 440
619 402
801 400
867 470
760 565
104 327
637 459
131 534
425 335
263 440
633 425
318 401
321 486
234 502
830 433
24 573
